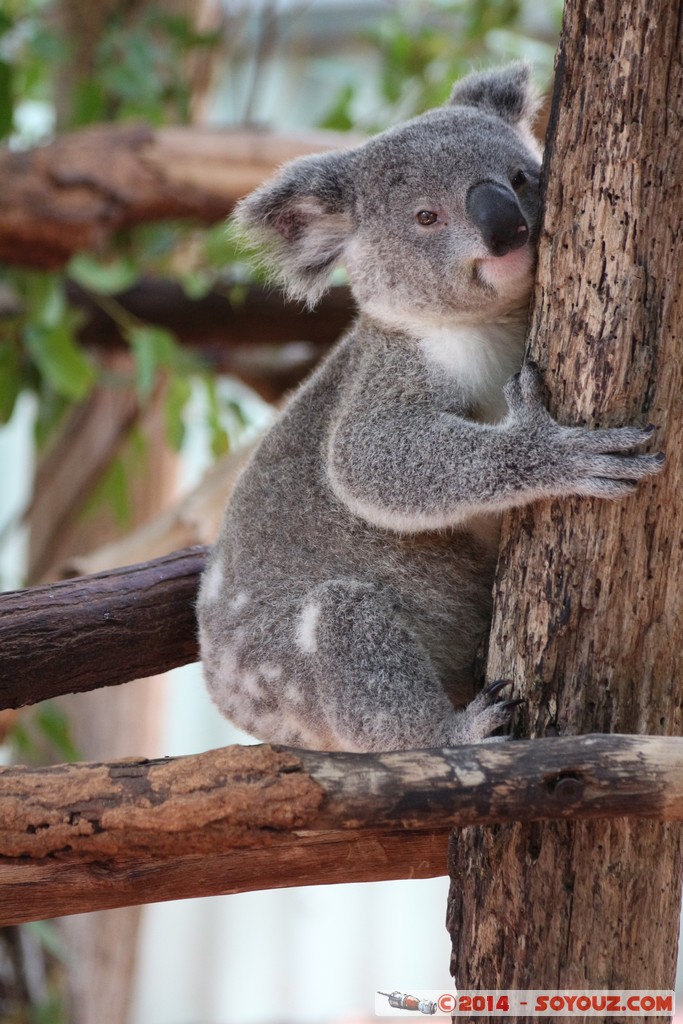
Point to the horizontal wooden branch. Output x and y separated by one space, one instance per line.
59 199
77 838
100 630
265 339
215 325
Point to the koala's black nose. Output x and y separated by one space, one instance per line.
496 212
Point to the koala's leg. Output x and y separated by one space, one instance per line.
375 683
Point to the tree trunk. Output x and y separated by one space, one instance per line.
589 602
120 721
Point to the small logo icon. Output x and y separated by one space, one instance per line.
402 1001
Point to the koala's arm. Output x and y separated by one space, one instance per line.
407 466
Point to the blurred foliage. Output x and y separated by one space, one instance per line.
32 956
32 961
141 66
138 69
41 736
425 45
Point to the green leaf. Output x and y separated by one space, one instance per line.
105 278
47 935
10 378
112 491
220 441
153 348
54 725
50 1010
223 245
340 117
156 349
44 297
44 723
89 103
60 360
6 99
196 284
177 397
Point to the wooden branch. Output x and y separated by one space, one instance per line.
264 339
71 195
76 838
213 323
94 631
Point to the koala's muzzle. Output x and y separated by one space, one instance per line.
497 214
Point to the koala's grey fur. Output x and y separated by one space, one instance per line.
350 587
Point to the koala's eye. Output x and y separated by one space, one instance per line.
426 218
518 180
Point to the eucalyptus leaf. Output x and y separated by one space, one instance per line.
107 278
60 360
177 396
6 99
54 725
10 378
155 349
48 936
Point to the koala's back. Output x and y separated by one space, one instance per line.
286 539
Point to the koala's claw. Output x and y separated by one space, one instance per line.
494 688
485 714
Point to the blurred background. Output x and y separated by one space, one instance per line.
140 354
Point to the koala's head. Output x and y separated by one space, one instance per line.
435 219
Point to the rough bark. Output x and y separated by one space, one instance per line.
80 837
69 196
95 631
589 605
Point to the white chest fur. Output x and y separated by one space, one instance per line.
480 358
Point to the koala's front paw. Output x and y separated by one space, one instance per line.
485 714
600 463
604 461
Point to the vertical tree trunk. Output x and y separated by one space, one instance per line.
117 722
589 601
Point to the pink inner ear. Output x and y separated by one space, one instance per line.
291 222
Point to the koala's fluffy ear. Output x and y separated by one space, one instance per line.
507 92
303 219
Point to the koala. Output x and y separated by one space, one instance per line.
349 591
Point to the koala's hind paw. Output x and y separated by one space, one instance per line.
485 714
